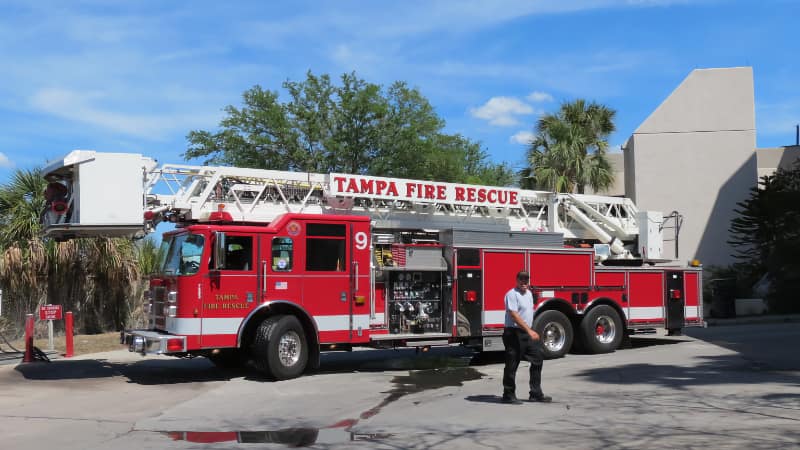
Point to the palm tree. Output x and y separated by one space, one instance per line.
91 277
23 261
569 150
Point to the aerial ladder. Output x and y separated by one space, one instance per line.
124 194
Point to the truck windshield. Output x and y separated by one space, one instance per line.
181 254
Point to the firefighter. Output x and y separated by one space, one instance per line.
521 342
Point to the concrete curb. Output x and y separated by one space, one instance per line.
778 318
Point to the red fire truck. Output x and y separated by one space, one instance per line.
275 267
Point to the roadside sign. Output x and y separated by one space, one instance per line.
50 312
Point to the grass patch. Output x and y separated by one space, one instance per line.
82 343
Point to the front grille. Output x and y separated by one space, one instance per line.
159 300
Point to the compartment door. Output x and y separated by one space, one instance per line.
675 300
499 275
470 302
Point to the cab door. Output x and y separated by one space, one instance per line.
282 264
327 282
232 292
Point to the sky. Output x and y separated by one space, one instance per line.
136 77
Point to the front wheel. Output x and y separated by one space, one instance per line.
555 331
601 330
279 348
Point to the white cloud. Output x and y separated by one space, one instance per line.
539 97
4 161
82 107
390 20
522 137
502 111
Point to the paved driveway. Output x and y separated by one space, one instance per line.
717 388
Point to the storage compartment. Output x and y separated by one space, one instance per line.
416 257
415 301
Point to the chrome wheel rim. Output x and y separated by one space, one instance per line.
289 348
554 336
605 330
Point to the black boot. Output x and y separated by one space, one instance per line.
511 400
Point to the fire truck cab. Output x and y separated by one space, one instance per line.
302 278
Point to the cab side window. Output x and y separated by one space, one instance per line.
282 254
325 247
239 253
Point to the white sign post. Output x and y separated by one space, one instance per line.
50 335
50 313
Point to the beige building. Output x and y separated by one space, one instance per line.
696 154
774 158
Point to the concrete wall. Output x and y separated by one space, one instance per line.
696 154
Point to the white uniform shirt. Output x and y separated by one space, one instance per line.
522 304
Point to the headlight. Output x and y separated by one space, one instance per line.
137 344
170 308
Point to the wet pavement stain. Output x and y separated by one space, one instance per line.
291 437
423 380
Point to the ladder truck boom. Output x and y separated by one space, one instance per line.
120 194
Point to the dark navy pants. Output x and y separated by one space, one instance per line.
519 346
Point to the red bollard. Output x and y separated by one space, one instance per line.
68 319
28 339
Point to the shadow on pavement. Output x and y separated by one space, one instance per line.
648 341
710 370
399 359
484 398
174 371
145 372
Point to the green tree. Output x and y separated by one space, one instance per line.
147 255
568 152
352 127
24 258
87 276
766 237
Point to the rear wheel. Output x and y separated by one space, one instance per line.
601 330
279 348
555 331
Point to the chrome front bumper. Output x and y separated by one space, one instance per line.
149 342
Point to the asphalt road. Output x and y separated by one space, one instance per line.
721 387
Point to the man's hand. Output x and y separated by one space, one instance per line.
534 335
522 325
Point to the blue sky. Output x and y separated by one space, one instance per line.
137 76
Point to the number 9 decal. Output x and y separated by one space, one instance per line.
361 240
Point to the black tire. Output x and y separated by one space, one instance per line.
555 331
601 330
227 358
279 349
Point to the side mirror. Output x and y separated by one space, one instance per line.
219 250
